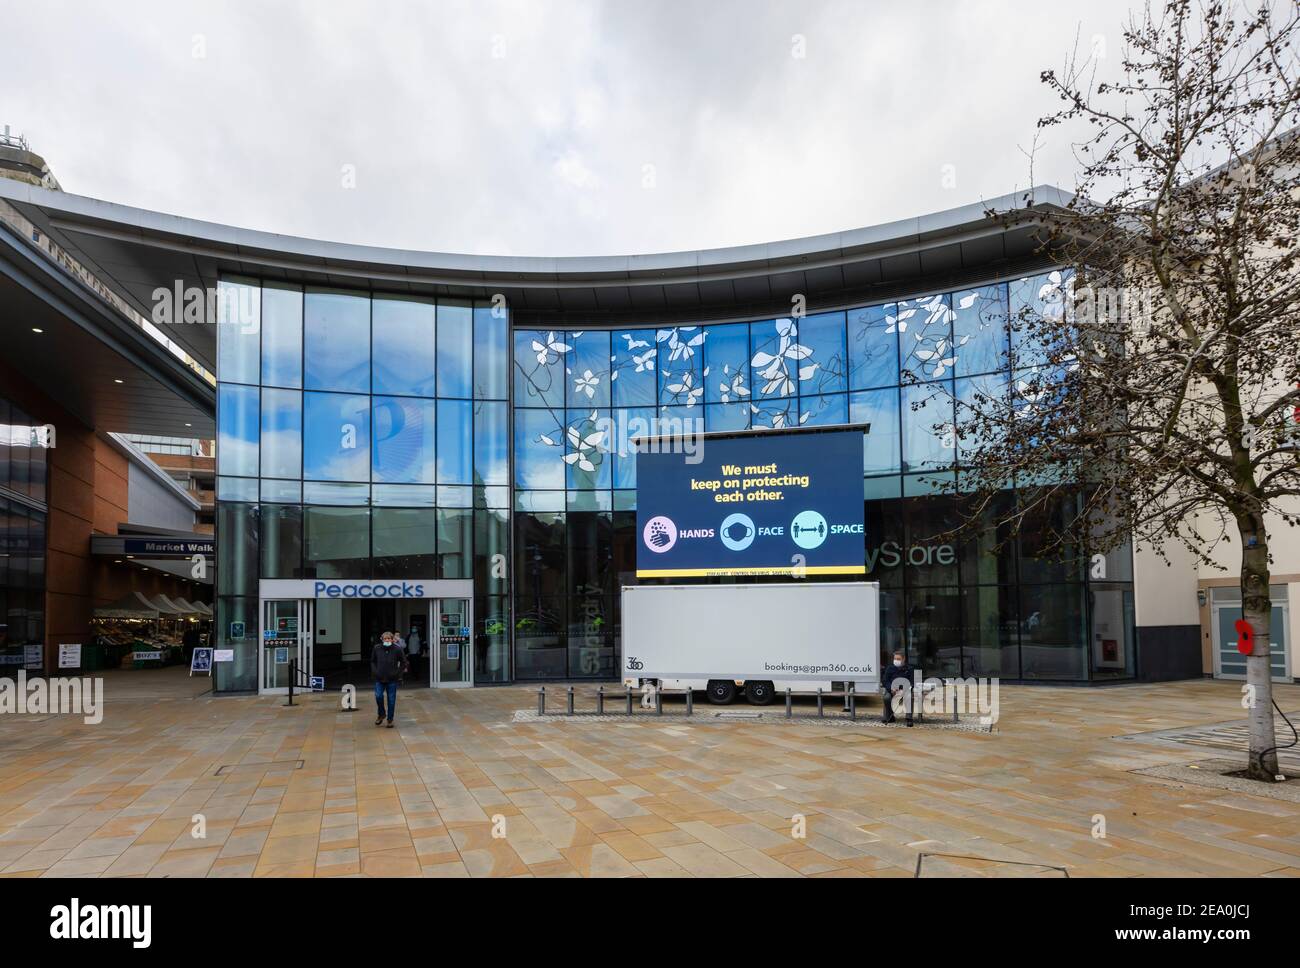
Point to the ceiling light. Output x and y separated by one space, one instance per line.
37 329
117 381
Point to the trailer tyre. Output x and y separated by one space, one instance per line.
759 693
721 692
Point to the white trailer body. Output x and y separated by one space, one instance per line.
763 638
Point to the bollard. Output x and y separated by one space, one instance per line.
570 701
789 704
690 703
954 705
541 701
820 712
629 700
659 702
853 703
600 700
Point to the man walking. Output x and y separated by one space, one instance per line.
387 664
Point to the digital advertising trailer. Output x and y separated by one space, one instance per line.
771 503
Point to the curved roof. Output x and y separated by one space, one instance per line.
136 251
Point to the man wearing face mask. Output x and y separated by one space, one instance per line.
898 677
388 664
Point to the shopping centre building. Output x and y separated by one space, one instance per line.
431 442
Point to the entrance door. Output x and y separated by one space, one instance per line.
286 637
1225 610
450 665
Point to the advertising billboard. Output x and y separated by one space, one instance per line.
767 503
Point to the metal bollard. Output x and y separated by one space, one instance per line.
541 701
954 705
570 710
690 703
789 704
629 700
600 700
853 703
820 711
659 702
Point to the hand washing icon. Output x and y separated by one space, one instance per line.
660 534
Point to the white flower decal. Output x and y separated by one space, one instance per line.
550 351
587 383
735 387
583 447
775 368
686 386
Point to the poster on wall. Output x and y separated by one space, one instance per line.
761 503
69 655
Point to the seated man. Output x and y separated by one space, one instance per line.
897 678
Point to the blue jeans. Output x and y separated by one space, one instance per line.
391 689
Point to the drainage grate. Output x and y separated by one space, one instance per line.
737 715
274 766
1231 737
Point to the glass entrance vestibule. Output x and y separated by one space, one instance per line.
326 628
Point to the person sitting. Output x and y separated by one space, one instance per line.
898 678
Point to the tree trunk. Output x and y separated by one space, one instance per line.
1257 609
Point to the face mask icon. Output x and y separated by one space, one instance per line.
737 532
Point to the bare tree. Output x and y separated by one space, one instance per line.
1155 394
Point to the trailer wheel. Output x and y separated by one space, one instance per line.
759 693
721 692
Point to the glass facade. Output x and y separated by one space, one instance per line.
428 437
23 525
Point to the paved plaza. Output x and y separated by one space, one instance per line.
460 788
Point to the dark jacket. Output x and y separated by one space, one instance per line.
388 663
893 672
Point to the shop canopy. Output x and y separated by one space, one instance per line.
165 606
130 605
188 607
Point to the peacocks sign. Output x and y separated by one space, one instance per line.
757 503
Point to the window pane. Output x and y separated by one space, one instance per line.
491 443
337 542
281 433
1037 305
681 366
586 451
726 354
633 378
927 426
237 536
880 409
455 349
926 344
491 551
775 356
873 347
239 316
1052 638
830 409
491 352
336 437
404 542
281 541
336 338
455 436
588 366
539 448
237 430
455 542
979 329
717 416
281 336
404 440
825 367
403 334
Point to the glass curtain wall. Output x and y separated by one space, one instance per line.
23 510
360 436
994 605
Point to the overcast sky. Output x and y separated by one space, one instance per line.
538 127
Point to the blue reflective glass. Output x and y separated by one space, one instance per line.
455 442
336 437
774 414
724 416
539 448
455 349
979 329
491 443
633 377
402 331
830 408
540 361
1037 305
404 495
404 441
873 347
928 440
586 449
281 336
879 408
336 341
491 352
982 407
681 365
825 368
281 433
237 430
726 356
588 369
775 358
632 424
925 337
239 328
